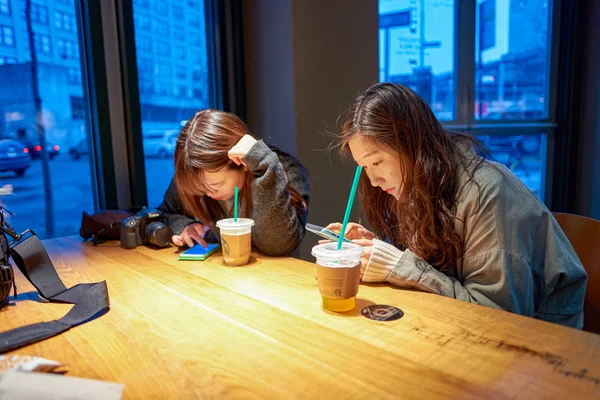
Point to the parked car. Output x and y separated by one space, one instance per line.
35 150
14 156
159 143
80 149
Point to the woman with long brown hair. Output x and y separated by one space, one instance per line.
446 220
215 153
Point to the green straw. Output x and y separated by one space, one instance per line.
349 206
235 204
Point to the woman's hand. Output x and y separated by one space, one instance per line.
191 233
242 147
355 232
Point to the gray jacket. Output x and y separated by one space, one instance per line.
278 227
516 257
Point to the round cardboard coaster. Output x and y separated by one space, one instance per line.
382 312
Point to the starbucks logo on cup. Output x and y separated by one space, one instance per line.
226 248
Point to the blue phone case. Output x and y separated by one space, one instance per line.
198 253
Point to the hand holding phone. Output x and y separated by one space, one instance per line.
198 252
324 233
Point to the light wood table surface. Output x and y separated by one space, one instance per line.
186 329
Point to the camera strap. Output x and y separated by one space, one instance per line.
89 299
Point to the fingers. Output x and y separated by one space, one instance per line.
176 240
367 234
325 241
363 242
235 156
187 239
199 228
193 234
334 227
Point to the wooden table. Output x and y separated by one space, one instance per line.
204 330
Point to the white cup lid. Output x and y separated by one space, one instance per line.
230 223
330 252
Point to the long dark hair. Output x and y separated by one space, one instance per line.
396 119
203 145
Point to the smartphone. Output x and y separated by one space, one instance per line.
198 253
324 233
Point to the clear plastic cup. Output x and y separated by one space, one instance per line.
338 273
236 240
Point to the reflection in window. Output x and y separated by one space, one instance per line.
416 49
162 48
65 21
5 7
177 86
59 82
160 8
39 13
523 155
181 72
7 60
7 37
143 44
41 43
512 59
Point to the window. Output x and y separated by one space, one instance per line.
141 4
64 120
39 13
178 13
160 9
180 53
512 59
179 35
163 70
77 108
181 72
5 7
7 37
165 103
7 60
416 49
67 49
504 73
162 48
196 21
143 44
522 154
65 21
160 29
74 76
197 39
145 67
142 21
41 42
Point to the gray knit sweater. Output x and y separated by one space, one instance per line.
279 227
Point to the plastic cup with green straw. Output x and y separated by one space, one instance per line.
349 206
235 204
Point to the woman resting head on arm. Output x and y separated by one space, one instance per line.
215 153
447 221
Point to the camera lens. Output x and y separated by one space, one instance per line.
159 234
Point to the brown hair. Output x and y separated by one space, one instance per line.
395 118
203 145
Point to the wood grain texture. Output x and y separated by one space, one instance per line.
187 329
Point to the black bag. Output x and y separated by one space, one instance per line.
102 225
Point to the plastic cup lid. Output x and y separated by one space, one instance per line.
329 251
230 223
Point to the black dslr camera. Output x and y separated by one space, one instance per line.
147 226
